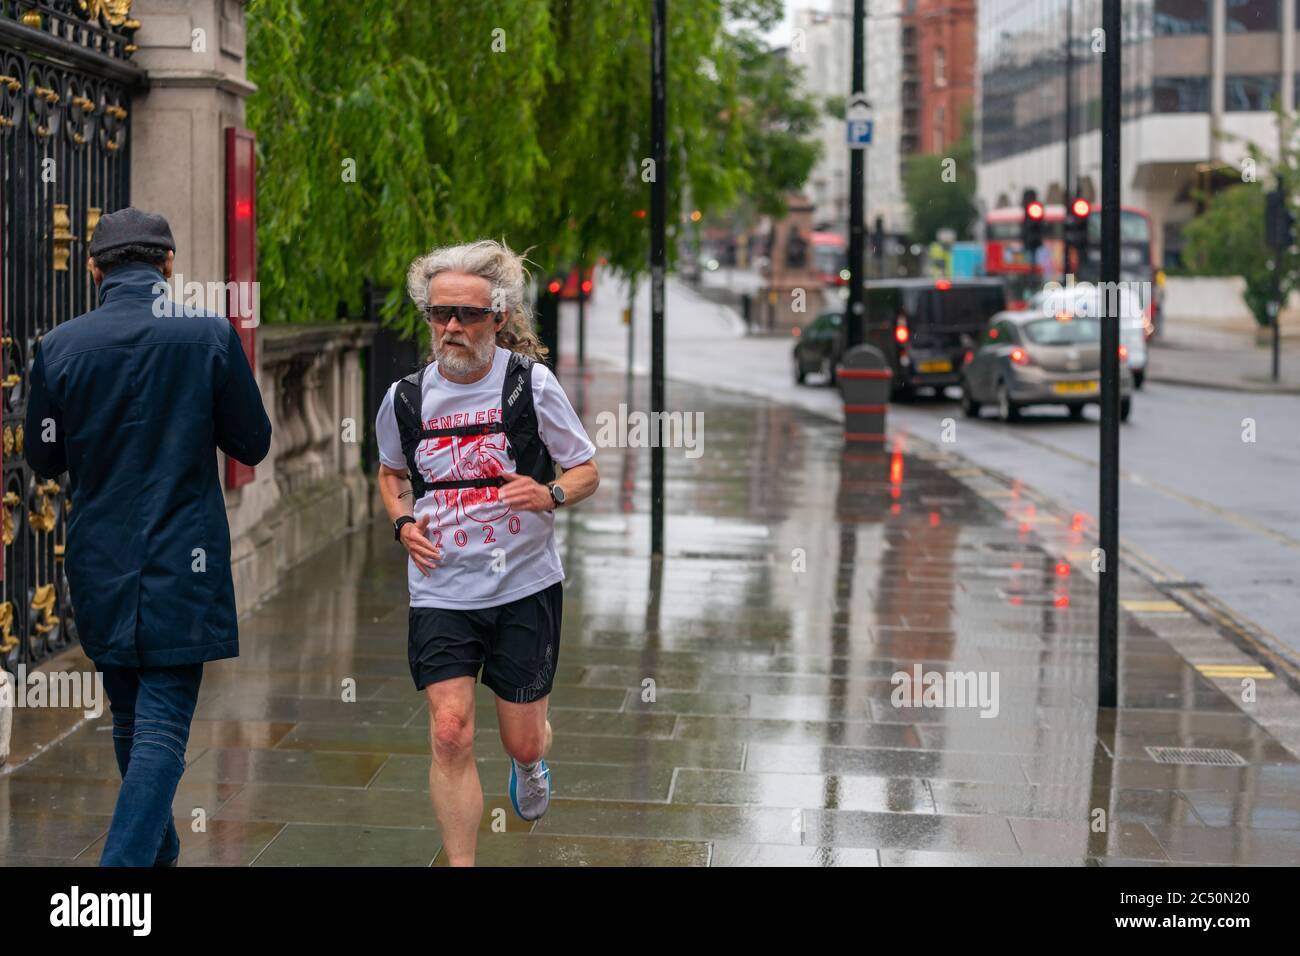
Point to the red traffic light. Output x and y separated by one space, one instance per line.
555 287
640 213
586 286
1034 210
1081 208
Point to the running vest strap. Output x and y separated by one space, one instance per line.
519 422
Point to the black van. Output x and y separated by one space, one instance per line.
924 327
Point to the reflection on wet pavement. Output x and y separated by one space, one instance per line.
734 705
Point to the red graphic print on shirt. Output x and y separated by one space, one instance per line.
462 457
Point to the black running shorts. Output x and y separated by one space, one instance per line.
517 645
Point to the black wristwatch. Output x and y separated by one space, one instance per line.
397 526
557 493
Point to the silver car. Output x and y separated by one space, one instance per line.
1084 299
1027 358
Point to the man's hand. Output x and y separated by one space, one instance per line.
521 493
423 552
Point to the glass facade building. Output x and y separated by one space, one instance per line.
1168 64
1022 66
1200 78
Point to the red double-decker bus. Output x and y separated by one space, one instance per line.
1004 254
830 255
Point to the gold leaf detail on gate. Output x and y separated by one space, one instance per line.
43 603
10 502
7 638
43 519
115 12
62 237
92 220
9 440
18 439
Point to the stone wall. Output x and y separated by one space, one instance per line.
1211 308
310 488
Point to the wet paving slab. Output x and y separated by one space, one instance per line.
738 703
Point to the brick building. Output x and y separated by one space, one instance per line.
938 43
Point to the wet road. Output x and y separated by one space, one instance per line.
1203 505
737 704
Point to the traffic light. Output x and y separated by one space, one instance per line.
1076 225
1031 226
548 318
1279 224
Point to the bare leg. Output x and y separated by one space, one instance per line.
525 731
453 775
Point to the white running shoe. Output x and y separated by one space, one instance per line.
530 791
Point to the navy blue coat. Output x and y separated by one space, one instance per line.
139 405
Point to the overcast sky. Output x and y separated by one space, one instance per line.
781 35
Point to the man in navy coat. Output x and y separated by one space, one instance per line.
132 400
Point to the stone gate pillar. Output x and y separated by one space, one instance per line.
194 54
193 51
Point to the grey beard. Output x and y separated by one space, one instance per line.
479 357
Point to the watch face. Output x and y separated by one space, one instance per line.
558 494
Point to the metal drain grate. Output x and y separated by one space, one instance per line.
1197 756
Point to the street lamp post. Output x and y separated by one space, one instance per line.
1108 596
855 320
1069 109
582 318
658 264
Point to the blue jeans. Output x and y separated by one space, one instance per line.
152 708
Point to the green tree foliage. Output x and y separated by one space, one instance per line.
1228 237
1228 240
778 122
940 190
527 120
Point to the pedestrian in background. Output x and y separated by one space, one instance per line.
133 401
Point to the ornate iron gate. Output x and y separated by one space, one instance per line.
65 79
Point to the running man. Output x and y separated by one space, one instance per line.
468 447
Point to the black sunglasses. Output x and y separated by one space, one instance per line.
466 314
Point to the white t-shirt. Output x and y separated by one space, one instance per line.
471 524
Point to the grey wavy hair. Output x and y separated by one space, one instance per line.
506 275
